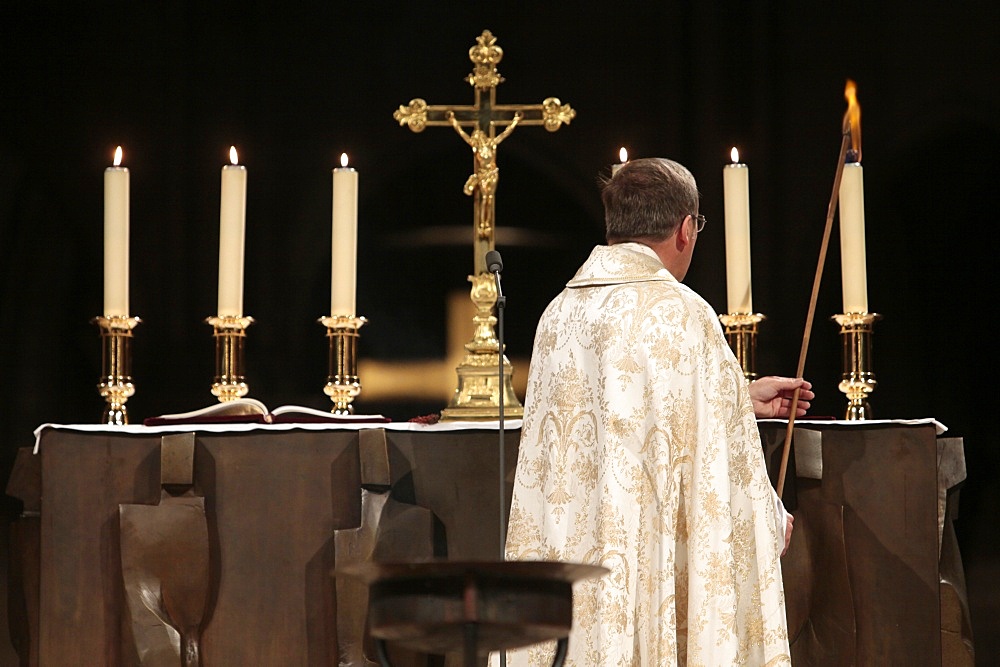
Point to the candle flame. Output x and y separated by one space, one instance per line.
622 155
343 159
853 116
118 156
735 155
233 157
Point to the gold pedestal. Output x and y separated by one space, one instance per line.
478 392
342 384
741 334
230 342
116 364
858 379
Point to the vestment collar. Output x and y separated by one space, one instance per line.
620 263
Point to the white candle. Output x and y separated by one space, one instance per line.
736 185
232 225
622 159
116 224
852 239
344 246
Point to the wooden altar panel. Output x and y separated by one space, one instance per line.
464 492
83 481
861 575
273 501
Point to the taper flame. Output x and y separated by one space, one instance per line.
734 155
622 155
118 156
853 116
343 159
233 157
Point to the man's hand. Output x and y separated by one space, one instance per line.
772 396
788 533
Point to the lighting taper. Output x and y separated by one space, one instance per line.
831 208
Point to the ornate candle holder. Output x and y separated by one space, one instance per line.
230 343
342 384
858 379
116 365
741 333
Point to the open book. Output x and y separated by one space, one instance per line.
250 410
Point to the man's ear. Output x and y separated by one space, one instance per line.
684 234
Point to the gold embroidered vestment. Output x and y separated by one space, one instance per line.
640 452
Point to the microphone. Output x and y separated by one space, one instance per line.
493 262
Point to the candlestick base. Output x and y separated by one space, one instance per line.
230 342
741 334
342 384
478 392
116 364
858 380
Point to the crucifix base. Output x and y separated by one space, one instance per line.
479 374
478 393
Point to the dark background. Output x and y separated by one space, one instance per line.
294 86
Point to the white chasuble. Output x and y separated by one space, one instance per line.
640 452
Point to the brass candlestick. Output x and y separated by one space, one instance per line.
858 380
478 392
230 343
116 364
741 333
342 384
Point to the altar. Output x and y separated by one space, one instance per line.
872 576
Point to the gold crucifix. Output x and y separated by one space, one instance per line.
478 392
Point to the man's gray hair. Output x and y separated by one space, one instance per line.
648 199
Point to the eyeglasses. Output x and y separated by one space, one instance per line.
699 221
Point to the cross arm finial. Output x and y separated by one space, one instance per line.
413 115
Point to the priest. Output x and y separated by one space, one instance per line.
640 451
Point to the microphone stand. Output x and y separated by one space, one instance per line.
495 264
501 304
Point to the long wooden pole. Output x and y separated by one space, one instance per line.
830 210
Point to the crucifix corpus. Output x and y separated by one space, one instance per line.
478 392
